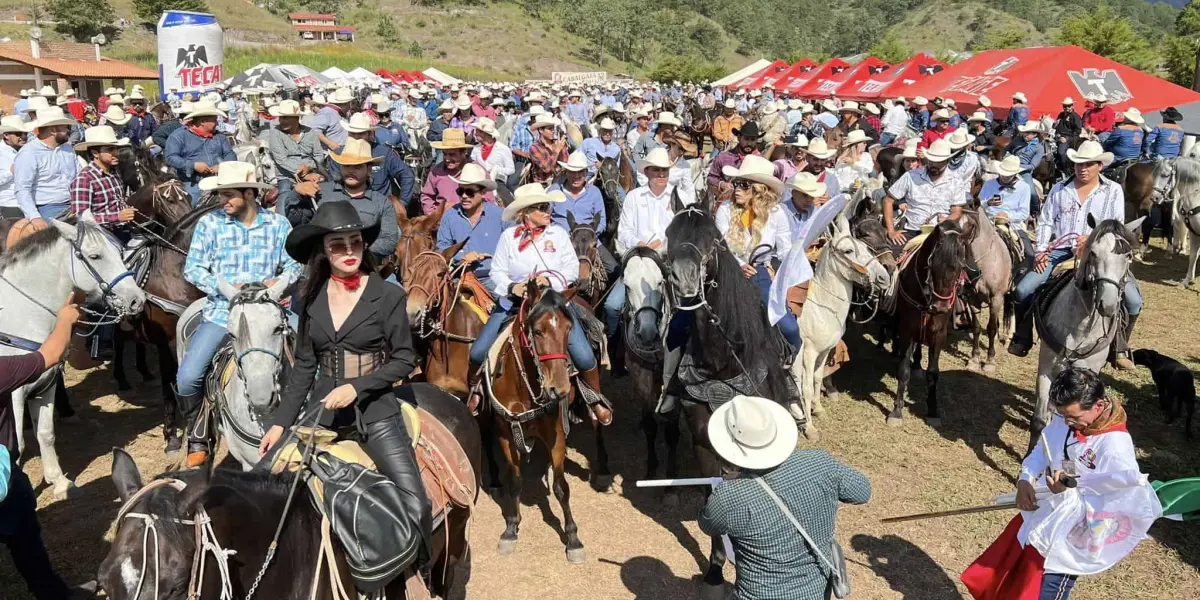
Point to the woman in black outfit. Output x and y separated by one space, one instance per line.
354 344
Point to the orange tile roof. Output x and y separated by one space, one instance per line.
74 60
294 16
334 28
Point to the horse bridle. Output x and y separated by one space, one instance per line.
261 297
527 343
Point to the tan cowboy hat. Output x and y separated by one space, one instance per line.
806 183
452 139
355 152
939 151
752 433
233 175
1068 101
985 102
757 169
203 109
910 149
959 139
358 123
14 124
657 157
135 95
544 121
1133 115
978 117
340 96
941 114
473 174
1090 151
819 148
51 116
100 135
530 194
577 161
669 118
116 115
486 125
286 108
1019 97
856 136
850 106
1011 165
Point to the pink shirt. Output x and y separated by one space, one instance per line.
440 189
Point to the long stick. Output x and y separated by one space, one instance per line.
950 513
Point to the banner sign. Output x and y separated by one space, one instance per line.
191 52
579 77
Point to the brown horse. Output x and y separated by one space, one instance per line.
593 279
700 123
1139 189
929 285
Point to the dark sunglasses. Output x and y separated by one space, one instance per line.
742 184
336 247
540 208
469 191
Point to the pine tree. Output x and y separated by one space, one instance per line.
82 20
148 11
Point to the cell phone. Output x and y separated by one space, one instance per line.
994 201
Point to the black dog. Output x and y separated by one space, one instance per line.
1175 384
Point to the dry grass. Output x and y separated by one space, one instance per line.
638 547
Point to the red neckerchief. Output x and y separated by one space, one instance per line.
527 235
351 283
485 150
1083 437
334 107
200 132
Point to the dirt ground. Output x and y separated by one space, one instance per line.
639 547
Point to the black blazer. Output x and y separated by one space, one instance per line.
378 322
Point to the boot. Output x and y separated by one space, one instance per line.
1022 340
197 428
1120 357
474 388
668 401
592 379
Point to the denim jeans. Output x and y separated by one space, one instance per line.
1056 586
886 139
52 211
788 325
578 346
202 347
1032 280
613 304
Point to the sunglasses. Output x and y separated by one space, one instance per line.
742 184
353 246
469 191
545 208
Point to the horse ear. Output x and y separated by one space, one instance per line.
1091 221
452 251
596 216
401 216
571 220
275 290
676 202
125 474
841 225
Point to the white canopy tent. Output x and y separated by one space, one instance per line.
743 73
334 73
362 75
440 77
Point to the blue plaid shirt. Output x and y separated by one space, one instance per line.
222 246
522 138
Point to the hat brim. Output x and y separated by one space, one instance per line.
738 133
768 180
519 204
1003 173
355 160
1105 158
767 457
642 165
954 146
454 146
115 144
816 192
203 113
305 239
487 183
53 123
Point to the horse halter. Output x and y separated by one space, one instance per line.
260 296
702 281
106 286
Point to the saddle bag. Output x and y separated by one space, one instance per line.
366 513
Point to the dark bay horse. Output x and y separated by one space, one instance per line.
614 177
929 284
593 279
153 552
700 123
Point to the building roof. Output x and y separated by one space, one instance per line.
295 16
73 60
321 28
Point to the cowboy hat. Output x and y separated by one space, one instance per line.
473 174
1019 97
577 161
530 194
116 116
806 183
605 123
959 139
940 114
50 117
939 151
355 152
618 107
446 106
497 101
486 125
1171 113
794 104
14 124
657 157
1090 151
856 136
752 433
850 106
985 102
286 108
544 121
25 93
340 96
829 105
1098 97
798 141
818 148
462 103
357 123
920 101
203 109
1133 115
317 100
1011 165
485 93
669 118
452 139
910 149
749 129
871 108
899 100
113 99
770 108
233 175
756 169
136 95
379 103
47 91
100 135
338 216
978 117
730 103
1068 101
949 102
1030 126
185 107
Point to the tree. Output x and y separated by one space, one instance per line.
1187 28
1103 32
994 39
891 50
82 20
148 11
386 30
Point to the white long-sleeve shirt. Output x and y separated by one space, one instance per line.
644 218
8 194
499 164
551 252
777 233
895 120
1063 214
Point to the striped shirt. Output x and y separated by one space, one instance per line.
1063 213
99 191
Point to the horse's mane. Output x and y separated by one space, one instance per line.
39 242
943 258
1187 178
647 253
1107 227
550 301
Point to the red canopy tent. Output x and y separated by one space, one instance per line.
774 67
829 69
1046 76
798 70
384 74
892 82
776 79
821 87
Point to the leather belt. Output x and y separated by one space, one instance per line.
342 364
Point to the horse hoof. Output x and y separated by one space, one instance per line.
575 556
506 547
933 421
62 490
973 365
833 397
895 421
989 368
602 483
811 434
712 592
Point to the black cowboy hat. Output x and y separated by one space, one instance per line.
337 216
1171 113
750 130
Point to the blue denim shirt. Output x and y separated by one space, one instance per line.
1164 141
393 135
42 175
482 238
1031 155
1125 143
393 167
595 150
584 207
1014 199
185 149
1016 117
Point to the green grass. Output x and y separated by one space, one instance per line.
942 26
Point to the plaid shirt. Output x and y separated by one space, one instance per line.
545 162
99 191
522 138
223 247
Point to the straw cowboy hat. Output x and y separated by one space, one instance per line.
1133 115
1019 97
577 161
985 102
544 121
486 125
115 115
332 217
1090 151
233 175
850 106
452 139
856 136
354 152
1068 101
978 117
806 183
657 157
50 117
14 124
669 118
819 148
203 109
752 433
340 96
358 123
871 108
100 135
959 139
756 169
941 114
530 194
939 151
286 108
1011 165
473 174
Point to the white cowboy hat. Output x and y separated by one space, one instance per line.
100 135
939 151
605 123
1068 101
355 152
47 91
806 183
818 148
1011 165
414 94
1030 126
115 115
871 108
473 174
807 108
380 104
618 107
577 161
949 102
535 96
203 109
51 116
1090 151
185 107
1133 115
485 93
669 118
498 101
752 433
730 103
446 106
544 121
358 123
849 106
530 194
340 96
1098 97
14 124
941 114
317 100
486 125
462 103
286 108
910 149
113 99
1019 97
978 117
135 95
655 158
61 101
756 93
794 104
985 102
770 108
107 91
756 169
829 105
856 136
233 175
920 101
959 139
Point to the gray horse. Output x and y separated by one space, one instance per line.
995 266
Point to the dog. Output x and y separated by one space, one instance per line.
1176 386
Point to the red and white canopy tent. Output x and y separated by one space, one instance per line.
823 87
773 69
1046 76
893 82
825 71
778 79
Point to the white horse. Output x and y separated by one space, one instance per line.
1185 218
36 275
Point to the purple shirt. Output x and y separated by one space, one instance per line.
15 371
724 159
440 189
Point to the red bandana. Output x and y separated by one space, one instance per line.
485 150
351 283
200 132
527 235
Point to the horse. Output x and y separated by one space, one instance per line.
1078 324
37 274
890 162
155 544
927 289
593 278
1184 198
614 177
990 254
700 123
